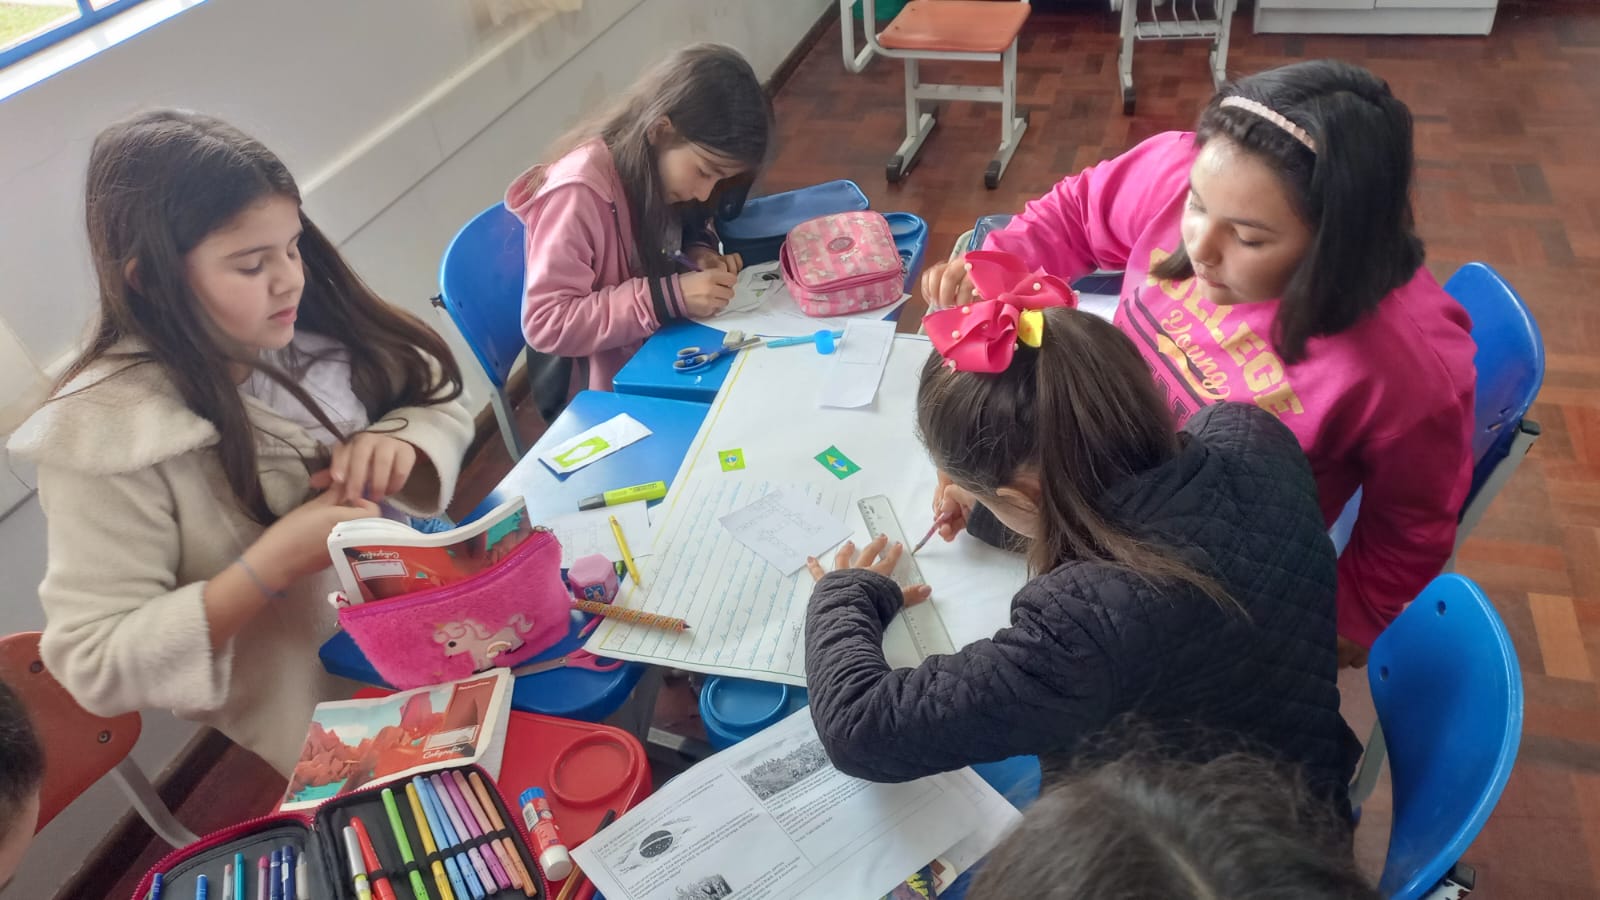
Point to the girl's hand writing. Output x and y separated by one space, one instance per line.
706 293
947 284
848 558
708 259
297 544
369 466
953 505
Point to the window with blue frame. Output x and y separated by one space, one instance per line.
28 26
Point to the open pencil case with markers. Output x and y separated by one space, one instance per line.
497 857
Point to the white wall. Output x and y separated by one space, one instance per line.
401 118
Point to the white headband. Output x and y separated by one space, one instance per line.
1273 116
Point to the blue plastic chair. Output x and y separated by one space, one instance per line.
1448 690
480 286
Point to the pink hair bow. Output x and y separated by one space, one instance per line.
982 336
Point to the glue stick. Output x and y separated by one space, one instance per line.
541 822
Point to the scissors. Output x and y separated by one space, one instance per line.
577 659
693 359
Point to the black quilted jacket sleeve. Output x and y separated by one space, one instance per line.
1032 685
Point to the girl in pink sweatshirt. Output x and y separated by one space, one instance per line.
619 237
1270 257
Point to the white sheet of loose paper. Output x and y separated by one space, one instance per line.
587 532
595 444
763 305
785 529
770 818
853 374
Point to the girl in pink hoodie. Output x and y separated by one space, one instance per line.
1271 257
619 237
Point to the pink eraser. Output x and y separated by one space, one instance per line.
593 578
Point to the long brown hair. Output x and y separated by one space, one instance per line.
1146 825
1354 192
712 98
1082 413
158 184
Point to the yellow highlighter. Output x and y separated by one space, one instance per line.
427 842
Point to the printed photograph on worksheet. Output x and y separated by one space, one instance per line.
771 818
353 744
378 559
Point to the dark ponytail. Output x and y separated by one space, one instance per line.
1082 412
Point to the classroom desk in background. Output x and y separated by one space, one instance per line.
570 693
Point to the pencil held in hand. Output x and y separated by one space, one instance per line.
631 616
933 529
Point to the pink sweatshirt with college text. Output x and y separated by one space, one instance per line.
1385 405
582 294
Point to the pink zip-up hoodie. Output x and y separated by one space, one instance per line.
582 297
1386 405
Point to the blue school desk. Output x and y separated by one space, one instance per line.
650 372
571 693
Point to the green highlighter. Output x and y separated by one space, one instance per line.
399 827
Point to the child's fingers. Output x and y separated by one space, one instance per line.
734 262
917 593
321 481
382 470
340 462
814 567
357 468
403 464
890 559
844 558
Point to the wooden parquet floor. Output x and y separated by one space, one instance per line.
1508 163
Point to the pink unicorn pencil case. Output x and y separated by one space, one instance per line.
501 616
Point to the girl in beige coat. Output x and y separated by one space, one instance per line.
243 393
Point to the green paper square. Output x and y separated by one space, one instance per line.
731 460
840 465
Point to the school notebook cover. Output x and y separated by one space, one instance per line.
353 744
378 559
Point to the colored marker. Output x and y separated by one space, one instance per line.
484 827
275 876
428 847
291 861
302 881
399 829
155 886
369 855
469 866
202 888
529 886
227 882
502 881
459 867
650 490
682 259
239 877
262 891
358 870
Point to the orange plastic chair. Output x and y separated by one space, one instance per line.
80 747
961 30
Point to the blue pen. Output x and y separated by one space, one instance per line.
434 816
202 888
275 876
464 863
238 877
155 887
289 862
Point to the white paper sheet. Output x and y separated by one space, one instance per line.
785 529
762 305
772 819
595 444
746 619
857 366
588 532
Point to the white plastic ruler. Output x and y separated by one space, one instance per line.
927 629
